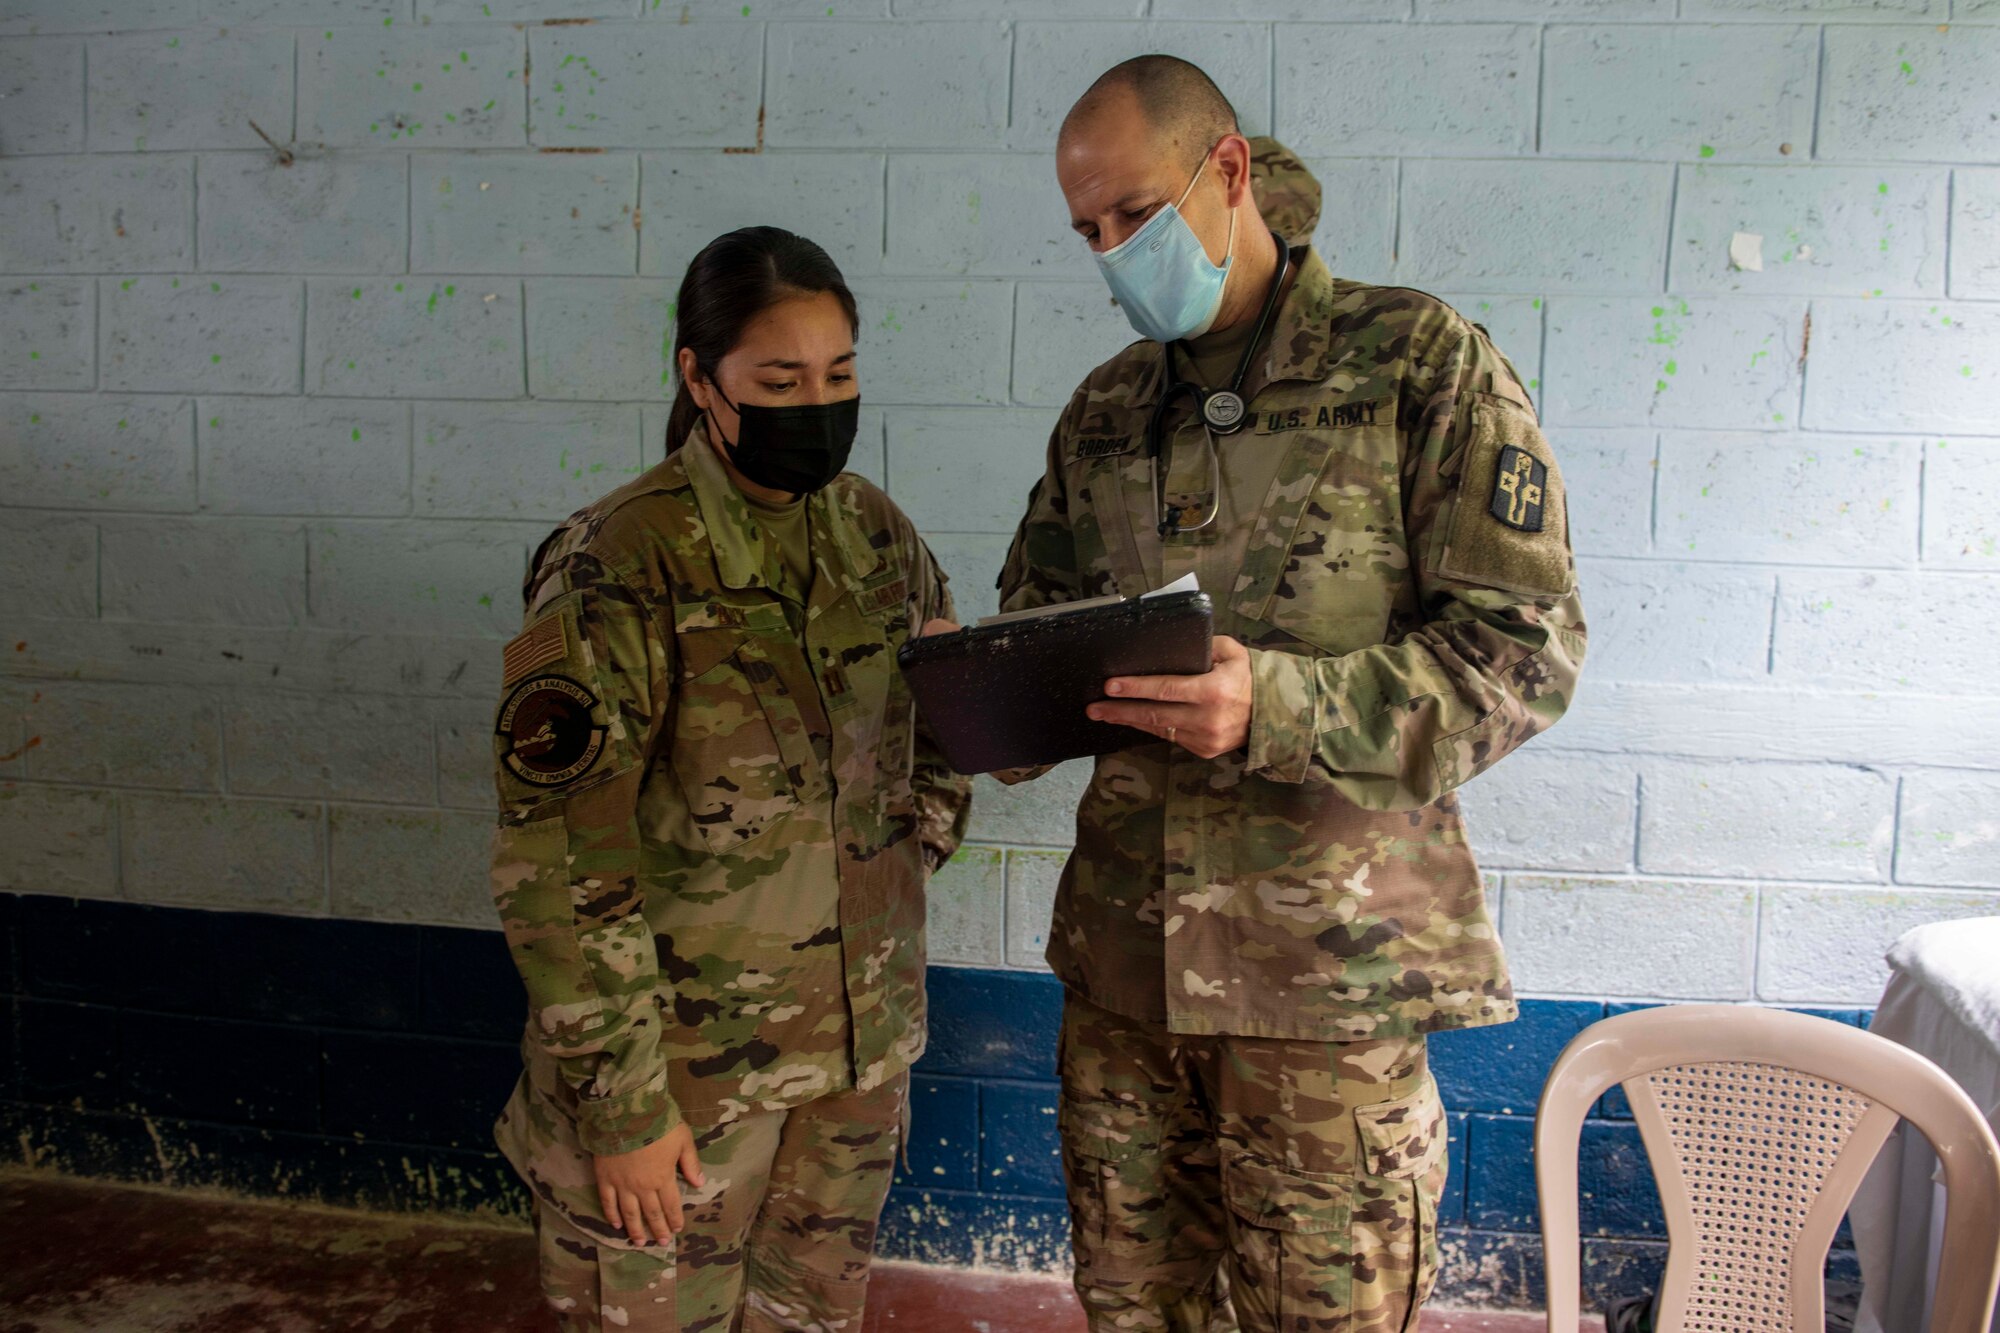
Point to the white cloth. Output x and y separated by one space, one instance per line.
1942 1001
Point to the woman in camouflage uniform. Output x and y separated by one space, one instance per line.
717 816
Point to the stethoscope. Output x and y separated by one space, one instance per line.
1223 411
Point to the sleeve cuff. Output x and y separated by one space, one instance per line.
1283 725
607 1126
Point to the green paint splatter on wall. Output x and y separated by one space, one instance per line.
1707 150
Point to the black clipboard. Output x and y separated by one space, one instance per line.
1013 695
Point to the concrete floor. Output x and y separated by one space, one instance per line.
82 1257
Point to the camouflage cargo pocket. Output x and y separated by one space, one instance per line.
737 770
1113 1172
1396 1202
1289 1230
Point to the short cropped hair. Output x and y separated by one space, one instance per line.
1177 97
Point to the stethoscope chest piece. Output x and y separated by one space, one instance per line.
1224 411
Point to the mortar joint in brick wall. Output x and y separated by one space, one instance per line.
1896 831
1638 820
1771 632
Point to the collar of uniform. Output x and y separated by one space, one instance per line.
741 552
1299 340
838 542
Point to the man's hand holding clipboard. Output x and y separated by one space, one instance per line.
1022 690
1205 715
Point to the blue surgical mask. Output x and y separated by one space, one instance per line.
1163 278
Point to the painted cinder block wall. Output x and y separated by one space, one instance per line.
276 440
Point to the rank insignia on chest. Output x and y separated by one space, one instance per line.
1517 489
547 734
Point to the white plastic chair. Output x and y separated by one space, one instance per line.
1760 1124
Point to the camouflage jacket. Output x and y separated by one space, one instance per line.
1407 593
715 828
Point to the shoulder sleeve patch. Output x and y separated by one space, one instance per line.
1508 527
1520 489
549 732
537 645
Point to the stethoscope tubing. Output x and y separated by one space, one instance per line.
1173 386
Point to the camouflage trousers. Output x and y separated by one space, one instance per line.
780 1238
1309 1173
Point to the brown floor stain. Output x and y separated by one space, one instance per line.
82 1257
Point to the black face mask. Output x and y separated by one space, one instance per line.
793 449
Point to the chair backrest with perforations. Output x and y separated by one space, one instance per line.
1760 1125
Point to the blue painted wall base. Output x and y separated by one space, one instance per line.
361 1064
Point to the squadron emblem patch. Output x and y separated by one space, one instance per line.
1517 489
548 737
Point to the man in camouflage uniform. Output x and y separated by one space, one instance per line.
717 818
1272 903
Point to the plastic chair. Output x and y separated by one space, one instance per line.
1760 1124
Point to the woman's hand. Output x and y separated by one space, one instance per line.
938 626
638 1190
